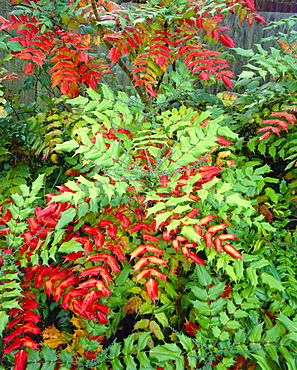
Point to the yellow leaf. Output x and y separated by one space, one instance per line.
53 338
77 322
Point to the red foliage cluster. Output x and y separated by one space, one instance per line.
69 53
277 124
151 50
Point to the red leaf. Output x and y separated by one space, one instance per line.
98 270
71 280
29 69
191 328
208 239
290 117
276 130
151 287
25 341
227 41
278 122
204 76
20 360
110 260
222 141
218 245
28 327
143 248
227 81
260 19
265 136
198 229
176 245
89 299
92 230
250 4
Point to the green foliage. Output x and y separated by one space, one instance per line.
169 242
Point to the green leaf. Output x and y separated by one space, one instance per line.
18 199
166 352
262 362
71 246
67 146
128 344
162 217
256 334
272 282
271 194
245 53
156 208
236 200
80 100
283 186
215 291
4 320
262 170
200 293
225 131
156 330
9 305
190 233
286 322
142 340
252 276
107 93
202 275
65 218
50 358
144 361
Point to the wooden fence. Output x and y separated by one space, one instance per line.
245 37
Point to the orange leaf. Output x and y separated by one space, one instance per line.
143 261
224 237
53 338
205 220
151 271
216 228
228 248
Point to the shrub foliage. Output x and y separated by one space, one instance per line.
153 226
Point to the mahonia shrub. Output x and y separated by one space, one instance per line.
155 253
142 260
58 44
265 116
